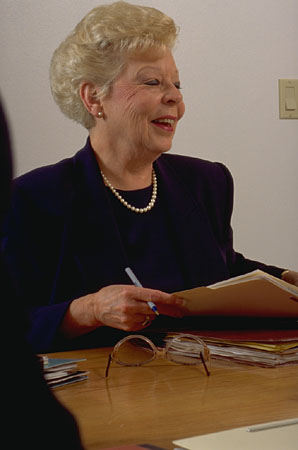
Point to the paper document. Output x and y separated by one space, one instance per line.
282 437
255 294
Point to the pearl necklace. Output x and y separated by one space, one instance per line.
125 203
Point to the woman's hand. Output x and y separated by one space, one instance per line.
119 306
291 277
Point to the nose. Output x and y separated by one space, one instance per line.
172 95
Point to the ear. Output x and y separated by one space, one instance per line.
88 94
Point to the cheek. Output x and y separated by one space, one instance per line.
133 116
181 110
137 116
141 105
134 103
139 100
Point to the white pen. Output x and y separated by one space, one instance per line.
269 425
137 283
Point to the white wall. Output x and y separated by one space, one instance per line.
230 55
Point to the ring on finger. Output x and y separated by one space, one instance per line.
146 321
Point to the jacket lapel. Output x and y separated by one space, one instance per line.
197 247
95 235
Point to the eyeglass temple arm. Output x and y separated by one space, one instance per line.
204 364
108 365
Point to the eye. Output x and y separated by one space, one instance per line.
154 82
178 85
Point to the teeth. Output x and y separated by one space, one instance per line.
170 121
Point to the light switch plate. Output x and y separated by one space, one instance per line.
288 99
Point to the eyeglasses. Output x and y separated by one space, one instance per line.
137 350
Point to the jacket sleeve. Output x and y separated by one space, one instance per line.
31 255
236 262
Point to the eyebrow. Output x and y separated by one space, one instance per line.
152 68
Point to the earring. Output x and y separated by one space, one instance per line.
100 114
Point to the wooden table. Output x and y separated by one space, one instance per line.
163 401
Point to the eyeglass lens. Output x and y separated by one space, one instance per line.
186 350
134 352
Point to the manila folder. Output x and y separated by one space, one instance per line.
255 294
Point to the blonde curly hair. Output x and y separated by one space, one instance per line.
98 47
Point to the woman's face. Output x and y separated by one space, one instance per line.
144 105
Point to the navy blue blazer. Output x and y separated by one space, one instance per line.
62 241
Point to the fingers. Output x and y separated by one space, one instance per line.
119 306
156 296
126 307
167 304
290 276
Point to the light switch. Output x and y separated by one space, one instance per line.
288 99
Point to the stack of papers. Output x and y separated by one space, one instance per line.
253 297
61 371
267 348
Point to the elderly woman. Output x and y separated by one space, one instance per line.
121 200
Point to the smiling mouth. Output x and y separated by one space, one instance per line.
164 123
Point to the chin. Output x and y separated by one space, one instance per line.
163 147
167 149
